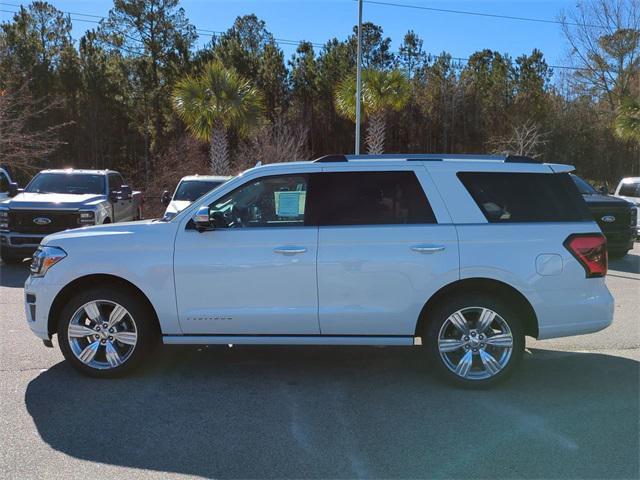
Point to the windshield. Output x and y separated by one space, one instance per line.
583 186
73 183
630 189
191 190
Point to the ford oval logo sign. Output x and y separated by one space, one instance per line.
609 219
42 221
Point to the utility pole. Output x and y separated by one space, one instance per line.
359 78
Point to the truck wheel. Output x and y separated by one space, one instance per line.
615 254
474 340
106 332
9 259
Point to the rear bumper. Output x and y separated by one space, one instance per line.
574 311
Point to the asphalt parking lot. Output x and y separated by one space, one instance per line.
572 411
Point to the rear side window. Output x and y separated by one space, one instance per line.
368 198
526 197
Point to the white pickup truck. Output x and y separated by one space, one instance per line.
56 200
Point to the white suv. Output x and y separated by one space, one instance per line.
464 255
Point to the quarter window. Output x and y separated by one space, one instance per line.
526 197
277 201
368 198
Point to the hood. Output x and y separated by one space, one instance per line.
111 235
599 200
176 206
53 200
634 200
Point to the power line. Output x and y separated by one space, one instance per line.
202 31
480 14
281 41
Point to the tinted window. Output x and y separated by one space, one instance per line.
75 183
584 187
115 182
368 198
191 190
277 201
631 189
4 183
526 197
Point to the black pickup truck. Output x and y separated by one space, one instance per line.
616 217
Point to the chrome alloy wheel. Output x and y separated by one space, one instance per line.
102 334
475 343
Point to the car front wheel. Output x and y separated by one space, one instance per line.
474 340
105 333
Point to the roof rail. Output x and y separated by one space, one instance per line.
520 159
434 157
331 158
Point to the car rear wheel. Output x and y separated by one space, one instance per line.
106 333
474 340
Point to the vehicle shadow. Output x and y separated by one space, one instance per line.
285 412
13 276
630 263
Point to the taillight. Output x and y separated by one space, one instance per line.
590 249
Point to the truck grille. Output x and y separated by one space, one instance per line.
34 221
622 217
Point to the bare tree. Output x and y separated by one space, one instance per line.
276 142
22 144
604 36
525 140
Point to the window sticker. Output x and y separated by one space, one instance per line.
290 204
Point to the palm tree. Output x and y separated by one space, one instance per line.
211 103
628 120
382 91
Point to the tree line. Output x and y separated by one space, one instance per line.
131 94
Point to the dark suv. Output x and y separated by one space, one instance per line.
616 217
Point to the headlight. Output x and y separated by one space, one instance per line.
87 218
44 259
4 219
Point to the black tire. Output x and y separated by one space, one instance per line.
141 315
9 259
616 254
440 314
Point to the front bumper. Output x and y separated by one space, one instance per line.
38 299
621 240
18 244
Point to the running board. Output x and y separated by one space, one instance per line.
289 340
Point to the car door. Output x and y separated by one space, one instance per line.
122 206
382 249
255 273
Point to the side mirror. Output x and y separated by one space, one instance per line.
165 198
603 190
201 219
125 192
13 189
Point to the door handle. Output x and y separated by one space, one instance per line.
427 248
289 250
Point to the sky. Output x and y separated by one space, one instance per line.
320 20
